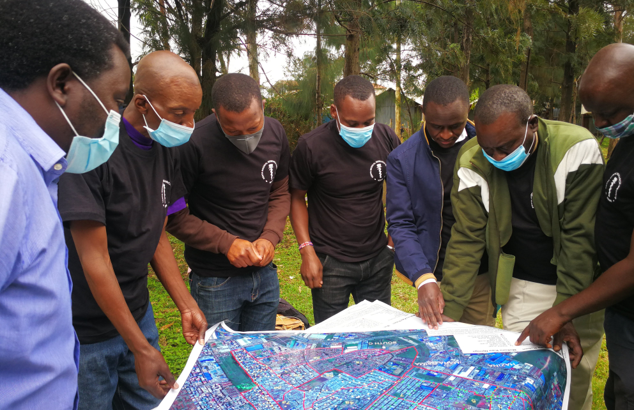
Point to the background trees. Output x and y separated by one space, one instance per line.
540 45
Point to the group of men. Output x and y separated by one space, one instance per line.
499 212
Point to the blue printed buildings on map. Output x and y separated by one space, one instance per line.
397 369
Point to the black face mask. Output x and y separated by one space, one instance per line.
245 143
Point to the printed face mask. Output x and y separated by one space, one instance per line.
245 143
515 159
168 134
355 137
86 154
624 128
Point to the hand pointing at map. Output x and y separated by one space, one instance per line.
564 333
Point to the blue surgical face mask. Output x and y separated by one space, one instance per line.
355 137
168 134
515 159
624 128
86 154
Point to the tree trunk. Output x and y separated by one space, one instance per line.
223 64
465 45
565 108
319 104
197 39
528 29
487 78
165 38
353 41
252 45
124 15
209 55
397 91
619 12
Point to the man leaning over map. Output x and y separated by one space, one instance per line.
526 191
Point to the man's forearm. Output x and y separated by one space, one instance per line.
614 285
166 269
91 243
279 208
299 216
199 234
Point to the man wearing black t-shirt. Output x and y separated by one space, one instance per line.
607 90
115 221
235 170
419 211
341 166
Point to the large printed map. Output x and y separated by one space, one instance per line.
396 369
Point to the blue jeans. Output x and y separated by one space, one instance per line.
368 280
244 303
107 378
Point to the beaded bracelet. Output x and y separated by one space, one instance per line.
305 244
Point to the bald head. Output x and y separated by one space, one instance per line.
158 73
607 86
170 85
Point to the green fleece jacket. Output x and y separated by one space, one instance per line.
566 190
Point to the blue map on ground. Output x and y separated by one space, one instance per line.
397 369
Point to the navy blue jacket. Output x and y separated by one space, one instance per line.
414 205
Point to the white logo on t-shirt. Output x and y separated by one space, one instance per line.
377 170
268 171
612 187
164 193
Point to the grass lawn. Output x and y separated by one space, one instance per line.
292 288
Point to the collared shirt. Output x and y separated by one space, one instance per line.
39 351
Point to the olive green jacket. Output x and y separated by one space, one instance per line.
566 191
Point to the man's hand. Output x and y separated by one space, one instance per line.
266 249
431 305
149 365
194 325
569 335
543 328
311 270
242 254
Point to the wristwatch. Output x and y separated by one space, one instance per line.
390 248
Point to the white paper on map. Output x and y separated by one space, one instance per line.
364 316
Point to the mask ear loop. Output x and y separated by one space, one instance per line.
92 92
151 106
337 120
67 120
526 133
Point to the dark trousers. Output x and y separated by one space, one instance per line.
368 280
619 388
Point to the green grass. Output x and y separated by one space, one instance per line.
292 288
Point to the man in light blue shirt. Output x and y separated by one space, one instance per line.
61 65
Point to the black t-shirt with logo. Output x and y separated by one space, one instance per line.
533 250
345 187
129 194
615 214
230 189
